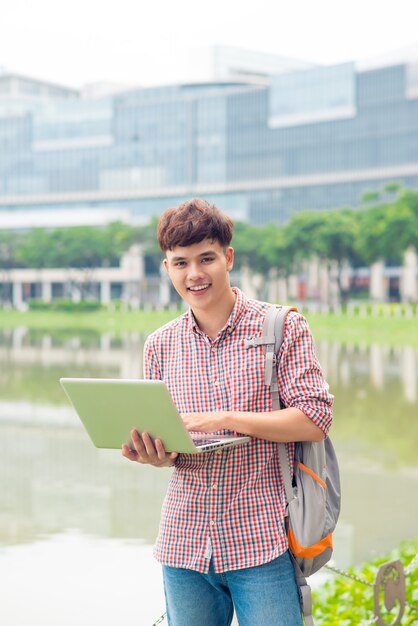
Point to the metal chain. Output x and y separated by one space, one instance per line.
408 570
347 575
160 619
411 567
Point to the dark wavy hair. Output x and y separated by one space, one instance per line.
191 222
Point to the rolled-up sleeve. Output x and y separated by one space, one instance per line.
301 381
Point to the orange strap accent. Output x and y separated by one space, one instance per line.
311 473
311 551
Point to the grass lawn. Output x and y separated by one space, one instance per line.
366 330
342 328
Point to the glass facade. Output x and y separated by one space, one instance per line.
313 138
312 95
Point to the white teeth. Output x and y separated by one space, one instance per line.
199 288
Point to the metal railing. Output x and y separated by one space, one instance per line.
389 583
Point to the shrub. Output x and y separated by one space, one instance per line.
83 306
115 306
68 306
344 602
39 305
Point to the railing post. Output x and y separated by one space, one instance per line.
390 579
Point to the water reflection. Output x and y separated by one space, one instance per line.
380 364
52 479
32 354
31 363
121 355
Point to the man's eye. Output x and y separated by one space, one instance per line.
207 259
180 264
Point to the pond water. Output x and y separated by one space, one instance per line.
77 524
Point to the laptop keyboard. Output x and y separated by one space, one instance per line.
205 441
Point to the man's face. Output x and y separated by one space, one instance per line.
199 272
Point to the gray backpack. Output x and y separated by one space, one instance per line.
313 492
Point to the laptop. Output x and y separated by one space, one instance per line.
110 408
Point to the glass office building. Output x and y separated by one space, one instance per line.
306 138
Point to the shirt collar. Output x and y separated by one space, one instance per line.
236 314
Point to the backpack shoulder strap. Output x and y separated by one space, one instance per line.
271 340
305 595
273 329
274 326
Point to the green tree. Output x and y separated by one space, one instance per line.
410 198
336 235
274 250
146 236
370 196
386 230
336 242
392 187
329 235
246 243
9 244
79 246
300 234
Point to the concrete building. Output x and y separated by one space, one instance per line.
126 283
318 284
264 138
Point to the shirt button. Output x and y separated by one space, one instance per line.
214 486
212 522
216 381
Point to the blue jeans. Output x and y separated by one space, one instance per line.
265 595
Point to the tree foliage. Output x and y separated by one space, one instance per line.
386 230
359 236
78 246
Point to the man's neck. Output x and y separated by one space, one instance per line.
211 321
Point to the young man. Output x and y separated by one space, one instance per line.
222 541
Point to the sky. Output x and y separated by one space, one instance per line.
146 43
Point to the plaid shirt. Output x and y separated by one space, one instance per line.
229 505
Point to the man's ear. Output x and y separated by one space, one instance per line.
229 258
165 264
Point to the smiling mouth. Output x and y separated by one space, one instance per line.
199 288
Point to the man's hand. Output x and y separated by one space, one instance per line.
148 452
207 422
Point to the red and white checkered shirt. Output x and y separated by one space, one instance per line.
229 505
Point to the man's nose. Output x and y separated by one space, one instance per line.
195 271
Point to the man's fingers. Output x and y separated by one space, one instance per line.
137 441
149 446
139 454
132 455
148 451
161 453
